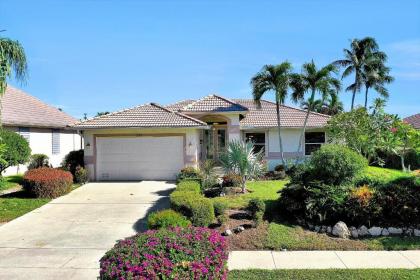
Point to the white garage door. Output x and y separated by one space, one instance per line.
139 158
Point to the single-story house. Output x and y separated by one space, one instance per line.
414 120
154 142
45 127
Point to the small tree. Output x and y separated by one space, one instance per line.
241 159
17 150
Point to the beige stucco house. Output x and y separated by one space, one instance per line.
45 127
154 142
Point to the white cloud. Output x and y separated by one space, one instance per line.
408 46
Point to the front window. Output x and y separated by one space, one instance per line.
313 141
258 139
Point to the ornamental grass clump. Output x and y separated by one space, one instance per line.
174 253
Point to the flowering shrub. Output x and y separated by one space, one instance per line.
175 253
47 182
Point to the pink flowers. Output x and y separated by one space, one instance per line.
393 129
176 253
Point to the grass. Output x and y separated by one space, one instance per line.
11 182
16 204
385 174
291 237
325 274
265 190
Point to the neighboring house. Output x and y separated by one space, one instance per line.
414 120
154 142
43 126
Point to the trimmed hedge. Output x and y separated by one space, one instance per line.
175 253
166 218
188 200
47 182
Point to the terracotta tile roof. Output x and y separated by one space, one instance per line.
414 120
22 109
266 116
213 103
143 116
179 105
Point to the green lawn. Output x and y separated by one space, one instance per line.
325 274
266 190
10 182
385 174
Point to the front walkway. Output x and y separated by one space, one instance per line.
65 238
323 259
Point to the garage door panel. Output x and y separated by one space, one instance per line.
139 158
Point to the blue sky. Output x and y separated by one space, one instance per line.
90 56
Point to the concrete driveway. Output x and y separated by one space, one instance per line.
65 238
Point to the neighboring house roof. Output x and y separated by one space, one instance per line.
266 115
414 120
179 105
143 116
22 109
213 103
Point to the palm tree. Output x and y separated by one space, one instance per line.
376 75
313 80
378 105
332 106
314 105
12 59
355 59
273 78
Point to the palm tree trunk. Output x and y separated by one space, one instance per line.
279 125
352 99
366 97
305 124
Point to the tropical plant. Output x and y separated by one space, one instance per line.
17 150
312 105
208 175
241 159
313 80
38 160
355 59
376 75
332 106
378 105
276 79
12 60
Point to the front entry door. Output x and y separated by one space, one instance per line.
215 140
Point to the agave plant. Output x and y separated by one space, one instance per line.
241 159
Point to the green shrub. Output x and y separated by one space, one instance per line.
202 212
335 164
81 175
181 201
188 185
220 208
38 161
72 160
189 173
231 180
166 218
256 207
222 219
47 182
15 150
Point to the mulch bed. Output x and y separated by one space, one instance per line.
250 239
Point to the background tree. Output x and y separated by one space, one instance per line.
276 79
17 150
12 61
98 114
332 106
376 75
312 105
355 60
378 105
313 80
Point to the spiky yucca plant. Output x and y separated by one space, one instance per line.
241 159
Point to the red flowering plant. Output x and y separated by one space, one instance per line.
47 182
174 253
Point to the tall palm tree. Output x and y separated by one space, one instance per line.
378 105
332 106
276 79
354 61
314 105
313 80
376 75
12 60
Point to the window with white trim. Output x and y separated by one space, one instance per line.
55 141
24 132
258 139
313 141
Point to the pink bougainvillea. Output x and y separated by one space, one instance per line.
174 253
